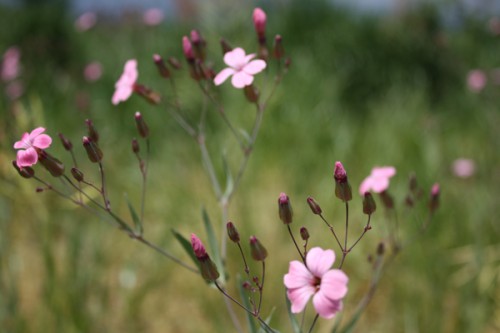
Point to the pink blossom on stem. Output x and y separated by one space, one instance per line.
476 80
463 167
28 145
124 87
378 180
241 67
259 21
327 286
85 21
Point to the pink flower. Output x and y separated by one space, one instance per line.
27 154
463 167
378 180
241 67
327 286
124 87
476 80
259 21
86 21
11 68
153 16
93 71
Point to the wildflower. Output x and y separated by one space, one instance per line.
124 87
326 286
259 21
285 208
378 180
463 167
258 251
28 145
342 187
241 67
207 266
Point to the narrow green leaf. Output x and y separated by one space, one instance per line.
244 299
214 245
229 177
135 217
293 320
186 245
246 135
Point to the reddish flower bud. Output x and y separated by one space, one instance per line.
142 128
342 187
251 93
315 208
199 44
174 62
151 96
93 152
434 202
52 164
304 234
198 247
285 208
65 142
77 174
135 146
232 232
258 251
225 46
259 22
161 66
208 269
187 48
369 205
93 134
25 172
278 50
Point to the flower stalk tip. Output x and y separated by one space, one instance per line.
65 142
285 209
232 232
208 268
369 205
94 153
434 202
315 208
142 127
258 251
342 187
161 66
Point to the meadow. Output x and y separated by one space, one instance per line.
365 90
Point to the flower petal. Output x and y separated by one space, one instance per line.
42 141
334 284
319 261
26 157
241 79
249 57
121 94
36 132
380 184
130 70
298 276
299 297
23 143
254 67
366 185
235 58
223 75
326 307
386 171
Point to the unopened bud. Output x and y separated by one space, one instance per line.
199 44
187 48
77 174
232 232
434 202
278 50
39 189
208 269
93 151
151 96
25 172
342 187
65 142
161 66
315 208
304 234
369 205
258 251
135 146
380 248
387 200
285 209
142 128
52 164
174 62
225 46
93 134
259 22
251 93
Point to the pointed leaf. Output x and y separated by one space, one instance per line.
268 329
244 299
135 217
246 135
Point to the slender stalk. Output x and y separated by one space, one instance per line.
103 187
365 230
261 286
296 246
76 166
333 231
344 252
313 323
144 172
207 161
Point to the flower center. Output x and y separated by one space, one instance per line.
316 283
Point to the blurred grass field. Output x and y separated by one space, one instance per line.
383 90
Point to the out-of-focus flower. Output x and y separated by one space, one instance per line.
463 167
259 21
27 154
86 21
93 71
327 286
378 180
476 80
153 16
11 68
124 87
241 67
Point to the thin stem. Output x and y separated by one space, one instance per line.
344 252
247 270
144 171
313 323
333 232
261 286
76 166
365 230
205 155
296 246
103 187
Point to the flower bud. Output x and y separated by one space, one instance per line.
315 208
285 208
208 269
162 67
369 205
251 93
225 46
387 199
52 164
259 22
199 44
135 146
174 62
65 142
151 96
342 187
278 50
232 232
93 134
187 48
25 172
93 151
258 251
434 202
77 174
198 247
380 248
304 234
142 128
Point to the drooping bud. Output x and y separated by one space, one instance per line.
93 134
162 67
199 45
369 205
187 48
258 251
251 93
93 151
304 234
25 172
77 174
232 232
259 23
174 62
65 142
142 128
315 208
285 208
135 146
387 199
434 202
52 164
278 50
225 46
207 267
342 187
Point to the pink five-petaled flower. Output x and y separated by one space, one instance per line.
27 154
124 87
327 286
378 180
241 67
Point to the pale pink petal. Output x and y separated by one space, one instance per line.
121 94
241 79
380 184
23 143
326 307
130 69
366 185
42 141
36 132
223 75
387 171
299 297
334 284
319 261
249 57
254 67
26 157
235 58
298 275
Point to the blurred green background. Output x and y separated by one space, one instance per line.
416 86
